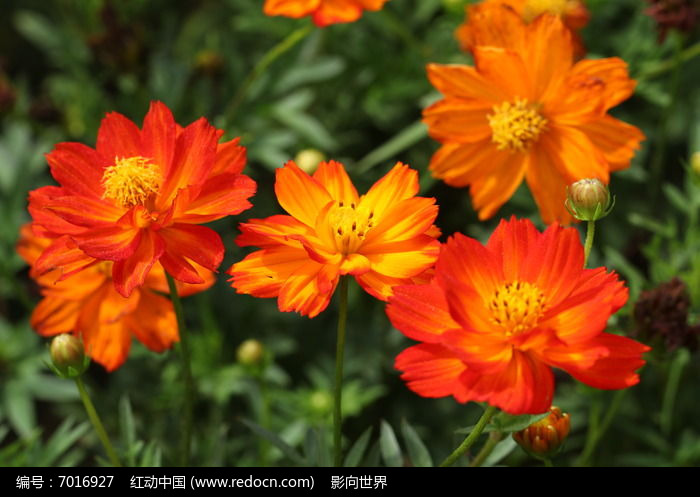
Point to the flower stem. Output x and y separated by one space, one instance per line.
259 69
338 390
96 422
494 439
187 369
471 438
597 428
590 234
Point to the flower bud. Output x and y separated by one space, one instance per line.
309 159
589 200
544 438
68 356
250 352
695 163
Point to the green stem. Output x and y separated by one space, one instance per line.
264 419
338 391
667 65
494 439
590 234
471 438
259 69
597 429
96 422
678 364
657 161
187 369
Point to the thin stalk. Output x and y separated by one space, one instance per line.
494 439
657 161
678 364
338 390
96 422
667 65
471 438
187 370
259 69
597 428
590 234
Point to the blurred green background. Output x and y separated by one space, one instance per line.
355 93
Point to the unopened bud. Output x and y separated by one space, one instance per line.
321 402
250 352
589 200
68 356
309 159
695 163
544 438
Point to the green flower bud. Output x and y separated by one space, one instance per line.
544 438
589 200
250 352
68 356
695 163
309 159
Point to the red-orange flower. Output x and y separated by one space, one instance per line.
323 12
383 238
529 113
496 318
88 306
478 29
139 197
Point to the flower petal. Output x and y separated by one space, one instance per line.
432 371
420 312
78 169
131 272
458 120
335 180
617 140
118 138
299 194
398 184
159 134
153 322
197 243
466 82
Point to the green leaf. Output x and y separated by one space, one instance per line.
19 407
500 451
420 456
357 450
389 446
63 439
507 423
398 143
127 430
322 69
275 440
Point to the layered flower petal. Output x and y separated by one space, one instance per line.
136 199
527 109
323 12
383 238
496 318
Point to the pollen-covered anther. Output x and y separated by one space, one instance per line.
131 181
517 307
516 125
350 226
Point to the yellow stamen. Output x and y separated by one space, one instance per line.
350 226
131 181
516 125
533 8
517 307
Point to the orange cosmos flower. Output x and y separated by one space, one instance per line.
481 27
88 306
383 238
323 12
497 317
139 197
529 113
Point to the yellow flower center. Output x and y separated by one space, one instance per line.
516 125
350 226
131 181
517 307
533 8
